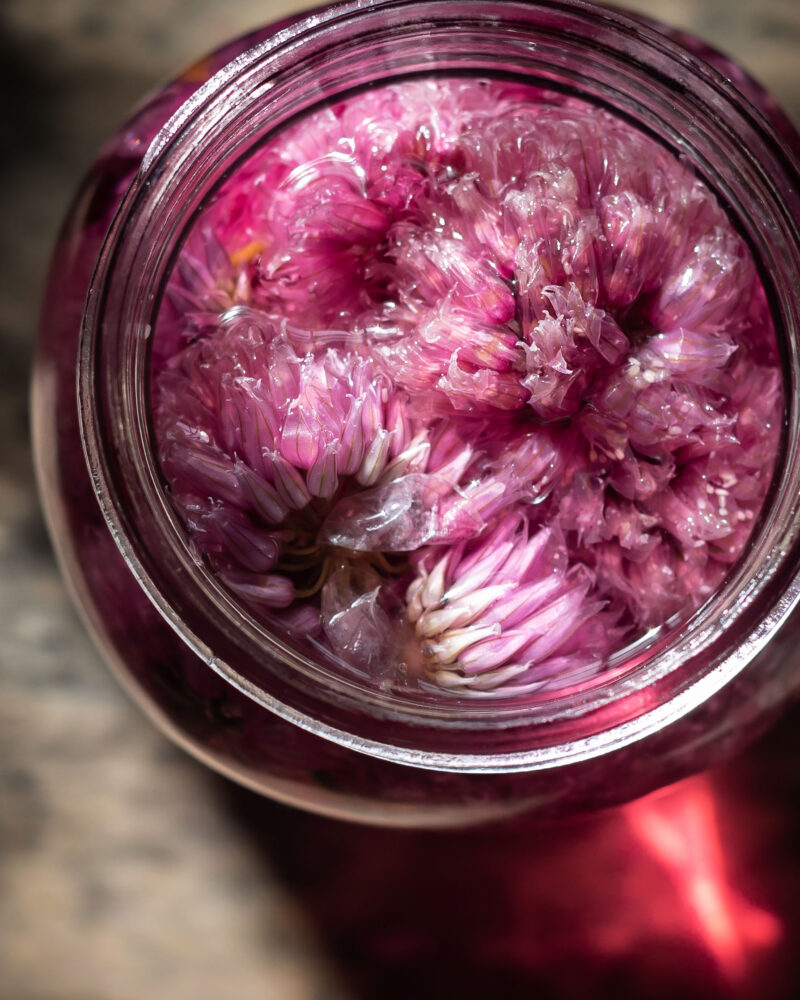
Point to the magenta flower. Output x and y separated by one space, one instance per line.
474 382
243 452
566 349
449 349
658 582
279 476
325 239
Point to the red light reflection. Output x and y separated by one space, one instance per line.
680 829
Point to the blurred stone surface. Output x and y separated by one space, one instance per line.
123 872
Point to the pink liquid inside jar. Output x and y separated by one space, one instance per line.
433 451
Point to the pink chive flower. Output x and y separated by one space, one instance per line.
247 445
449 349
507 615
297 423
326 236
661 583
472 381
282 464
566 349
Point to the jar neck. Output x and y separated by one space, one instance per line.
603 57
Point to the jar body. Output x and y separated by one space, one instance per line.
182 690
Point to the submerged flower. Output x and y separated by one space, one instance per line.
315 464
451 349
325 237
285 426
565 350
508 614
472 381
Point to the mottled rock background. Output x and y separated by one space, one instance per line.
126 870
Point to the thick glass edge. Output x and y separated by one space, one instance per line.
693 695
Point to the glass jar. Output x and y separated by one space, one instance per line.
237 697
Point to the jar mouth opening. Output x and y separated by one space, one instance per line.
646 686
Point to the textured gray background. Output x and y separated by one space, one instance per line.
122 872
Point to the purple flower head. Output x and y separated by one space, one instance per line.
316 457
449 349
255 461
474 382
324 231
566 349
506 614
655 588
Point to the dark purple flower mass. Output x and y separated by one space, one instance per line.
472 382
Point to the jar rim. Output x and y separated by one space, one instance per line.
116 438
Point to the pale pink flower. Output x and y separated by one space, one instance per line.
243 452
452 350
633 228
438 490
708 290
299 423
507 615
